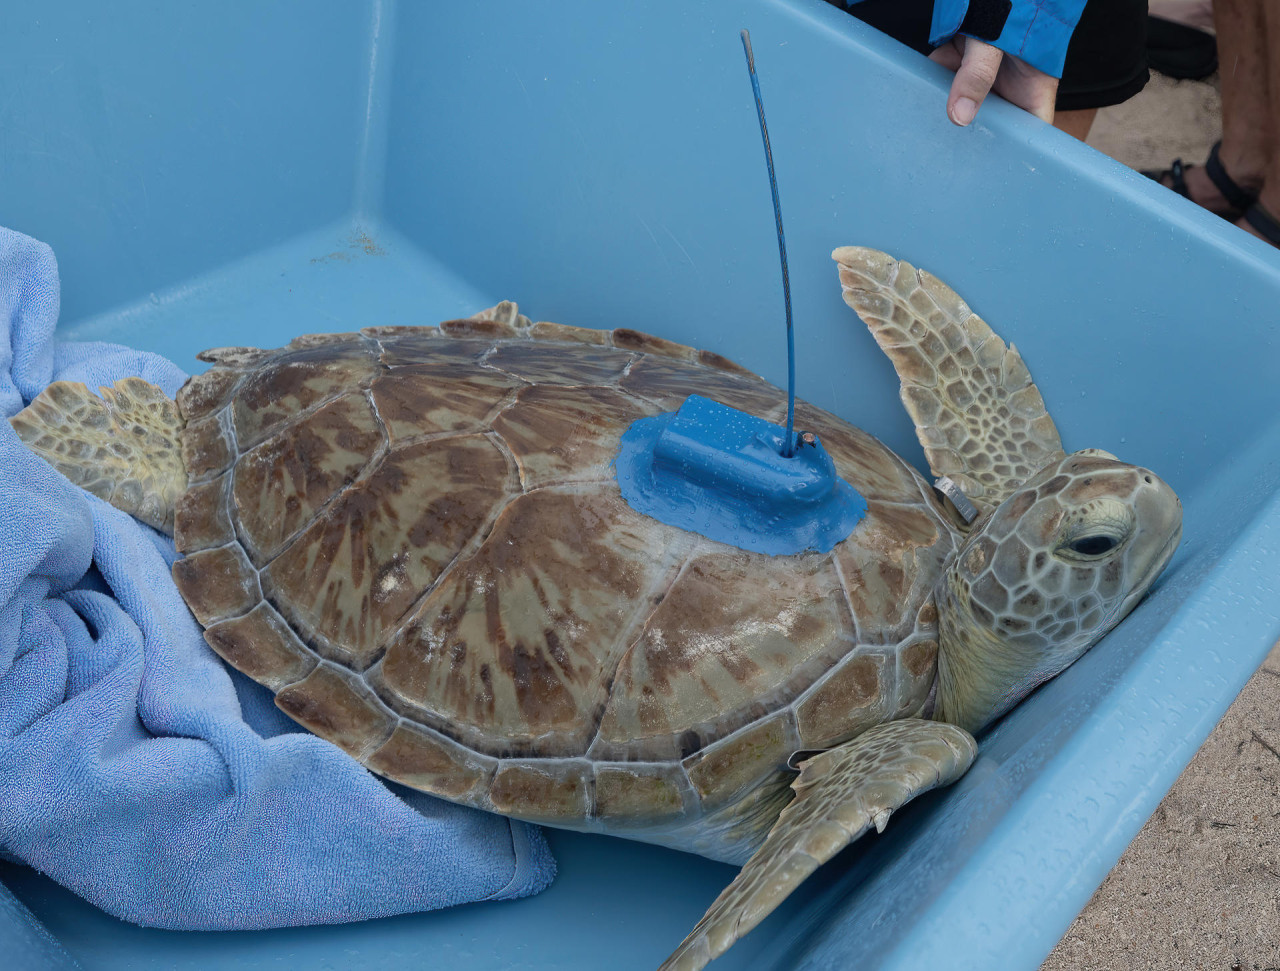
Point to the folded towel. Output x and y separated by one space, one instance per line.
137 770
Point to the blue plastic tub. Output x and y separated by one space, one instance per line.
241 172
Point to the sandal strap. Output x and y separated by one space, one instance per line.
1264 223
1176 173
1240 198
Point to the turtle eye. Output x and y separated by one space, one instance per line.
1092 542
1096 531
1093 545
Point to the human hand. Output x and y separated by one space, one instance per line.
981 68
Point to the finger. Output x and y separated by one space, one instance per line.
950 53
974 78
1036 94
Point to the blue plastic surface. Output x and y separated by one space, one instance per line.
27 942
239 173
720 472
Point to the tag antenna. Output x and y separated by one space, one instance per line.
789 440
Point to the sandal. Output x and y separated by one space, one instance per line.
1265 224
1239 198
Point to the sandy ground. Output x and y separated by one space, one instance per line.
1199 888
1166 120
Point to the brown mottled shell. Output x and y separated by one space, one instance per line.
413 536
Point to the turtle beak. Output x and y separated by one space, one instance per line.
1158 563
1159 530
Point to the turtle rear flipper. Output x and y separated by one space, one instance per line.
977 412
840 794
122 447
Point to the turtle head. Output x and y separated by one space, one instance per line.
1044 576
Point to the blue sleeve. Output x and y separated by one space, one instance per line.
1037 31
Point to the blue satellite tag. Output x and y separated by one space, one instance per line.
719 472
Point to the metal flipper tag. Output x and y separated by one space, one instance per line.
967 510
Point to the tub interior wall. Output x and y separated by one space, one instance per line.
149 142
505 154
621 183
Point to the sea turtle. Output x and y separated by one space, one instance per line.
414 537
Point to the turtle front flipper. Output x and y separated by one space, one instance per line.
977 412
840 794
122 447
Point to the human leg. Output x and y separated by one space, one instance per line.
1263 219
1075 123
1106 63
1247 124
1247 105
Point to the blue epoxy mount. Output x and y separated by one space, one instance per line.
720 472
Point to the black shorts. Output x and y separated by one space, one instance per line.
1106 59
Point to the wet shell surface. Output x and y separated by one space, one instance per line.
413 536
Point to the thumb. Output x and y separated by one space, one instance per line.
976 74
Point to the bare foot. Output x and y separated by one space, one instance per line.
1200 189
1205 193
1248 228
1269 204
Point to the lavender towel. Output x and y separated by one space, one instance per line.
137 770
